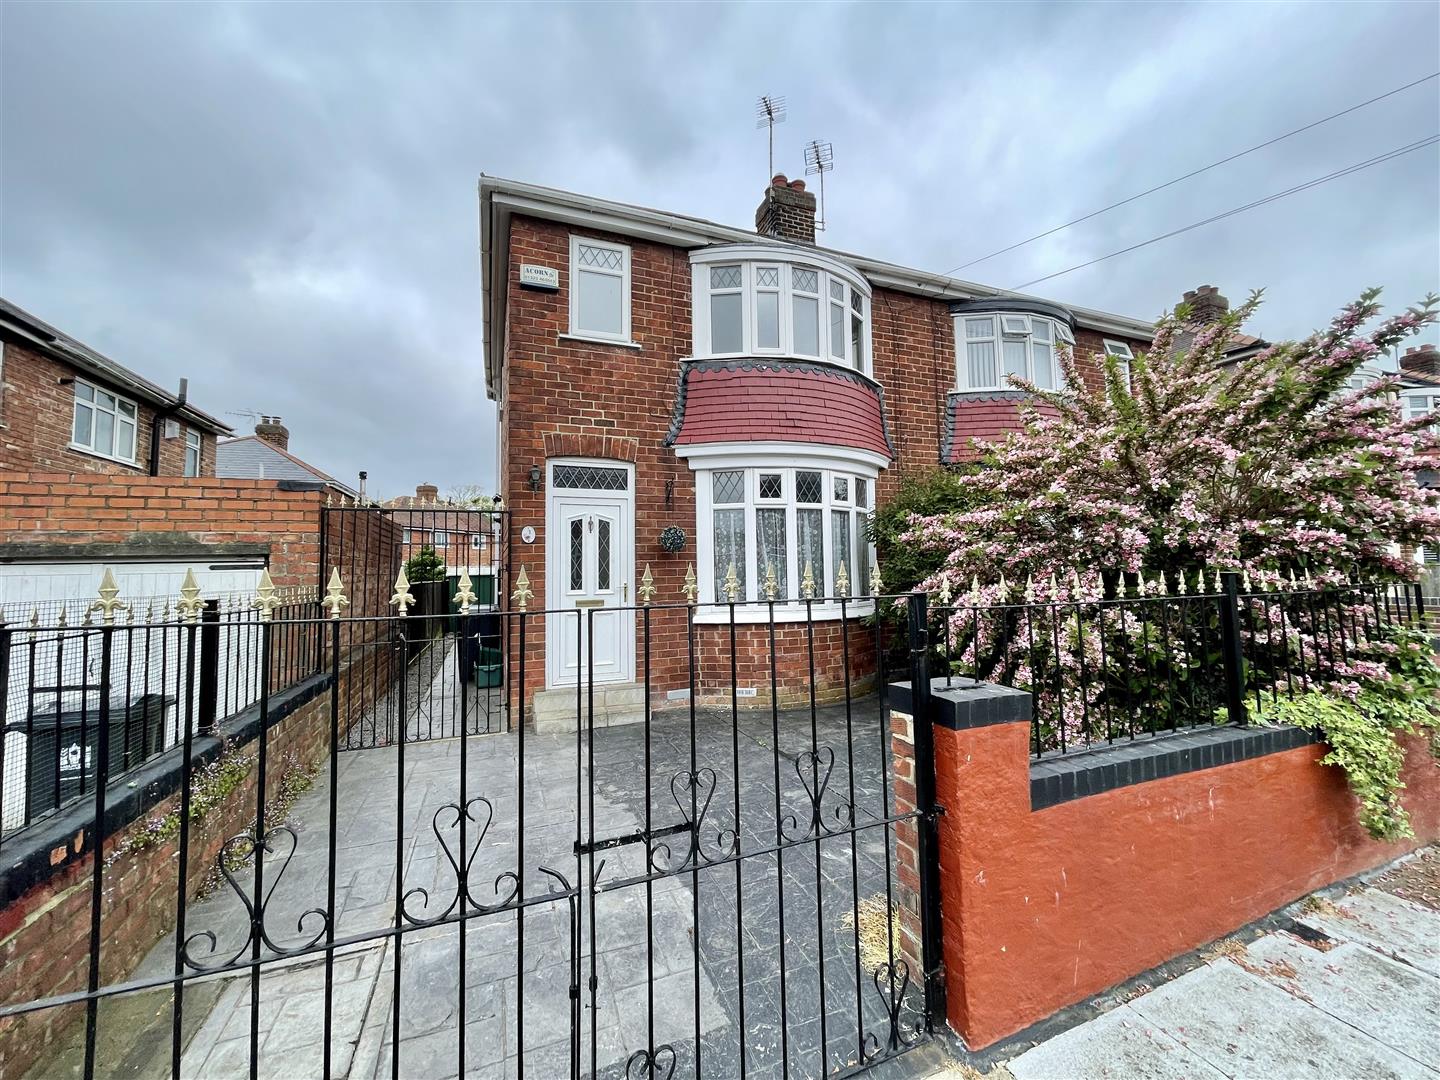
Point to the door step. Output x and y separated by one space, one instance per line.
554 712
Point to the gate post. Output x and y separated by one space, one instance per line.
928 848
1232 648
209 667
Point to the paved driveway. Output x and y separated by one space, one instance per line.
707 960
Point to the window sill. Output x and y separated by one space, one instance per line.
129 464
600 341
758 612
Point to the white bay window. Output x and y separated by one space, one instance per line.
777 528
755 300
995 345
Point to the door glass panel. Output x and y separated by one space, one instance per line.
577 555
602 546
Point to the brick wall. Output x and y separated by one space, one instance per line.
142 516
37 411
45 934
1041 909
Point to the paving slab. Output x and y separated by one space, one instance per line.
1120 1045
1391 1001
1246 1027
1407 931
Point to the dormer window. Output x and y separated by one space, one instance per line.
756 300
993 345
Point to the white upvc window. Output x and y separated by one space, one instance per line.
1121 351
192 452
993 346
599 290
1362 378
1418 405
754 301
103 424
788 525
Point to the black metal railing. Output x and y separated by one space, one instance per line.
58 683
1102 670
716 884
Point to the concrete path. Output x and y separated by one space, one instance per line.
1360 1001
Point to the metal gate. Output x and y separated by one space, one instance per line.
715 889
444 655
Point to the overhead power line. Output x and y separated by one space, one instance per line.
1378 159
1195 172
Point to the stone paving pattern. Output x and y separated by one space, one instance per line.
666 954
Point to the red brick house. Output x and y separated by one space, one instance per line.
65 407
755 390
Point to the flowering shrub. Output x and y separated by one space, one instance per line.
1153 484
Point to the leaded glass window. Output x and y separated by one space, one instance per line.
602 558
591 478
772 486
577 555
808 488
729 486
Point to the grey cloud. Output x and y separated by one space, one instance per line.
278 201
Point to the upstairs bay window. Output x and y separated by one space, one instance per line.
779 527
996 345
752 300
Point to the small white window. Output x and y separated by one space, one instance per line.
599 289
407 537
1430 553
192 453
441 539
1123 356
103 424
1015 324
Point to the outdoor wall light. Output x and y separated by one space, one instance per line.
534 477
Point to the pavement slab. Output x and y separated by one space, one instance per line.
1247 1027
1120 1045
1407 931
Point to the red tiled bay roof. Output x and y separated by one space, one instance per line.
981 416
778 401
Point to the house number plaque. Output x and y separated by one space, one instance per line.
528 534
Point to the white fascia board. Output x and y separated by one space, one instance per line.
749 455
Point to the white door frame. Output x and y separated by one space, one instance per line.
555 578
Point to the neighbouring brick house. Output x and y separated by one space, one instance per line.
751 388
65 407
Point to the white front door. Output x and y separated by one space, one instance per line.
589 586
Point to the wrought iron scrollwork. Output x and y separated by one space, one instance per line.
891 982
236 851
693 790
657 1064
814 768
460 863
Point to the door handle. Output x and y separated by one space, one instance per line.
625 593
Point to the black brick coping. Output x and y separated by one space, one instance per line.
1059 779
959 703
25 856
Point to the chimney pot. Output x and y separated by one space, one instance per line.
1206 304
787 212
427 492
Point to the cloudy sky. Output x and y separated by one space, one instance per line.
278 200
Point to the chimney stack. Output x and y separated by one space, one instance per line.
426 493
273 431
787 212
1423 359
1206 304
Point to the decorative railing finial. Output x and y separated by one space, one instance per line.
732 583
402 599
877 586
772 587
691 588
807 582
842 581
335 598
267 598
646 592
190 603
109 601
464 593
522 594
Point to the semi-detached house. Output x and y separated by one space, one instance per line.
753 389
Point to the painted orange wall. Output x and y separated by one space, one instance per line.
1044 909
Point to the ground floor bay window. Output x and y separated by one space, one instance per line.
785 529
